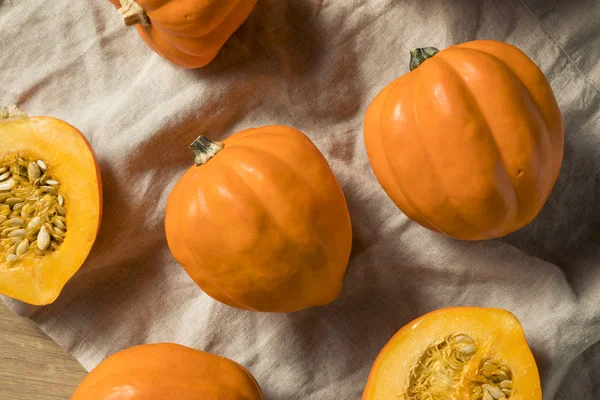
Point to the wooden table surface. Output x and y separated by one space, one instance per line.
33 366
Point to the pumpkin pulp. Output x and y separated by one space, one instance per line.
462 353
50 205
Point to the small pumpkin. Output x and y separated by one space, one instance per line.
456 353
470 142
189 33
260 222
167 371
50 205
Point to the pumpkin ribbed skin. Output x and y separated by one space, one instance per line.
190 33
167 371
470 143
263 225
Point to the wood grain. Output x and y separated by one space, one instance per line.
33 366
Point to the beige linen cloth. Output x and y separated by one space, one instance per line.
314 65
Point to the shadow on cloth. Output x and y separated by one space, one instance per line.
282 31
568 226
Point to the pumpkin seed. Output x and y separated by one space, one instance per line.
59 224
11 258
19 178
43 239
33 170
505 384
18 207
12 201
4 176
51 182
17 233
7 185
15 222
61 200
6 231
34 222
61 211
49 190
23 247
493 390
42 165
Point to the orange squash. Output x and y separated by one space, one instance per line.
456 353
470 142
50 205
260 222
167 371
189 33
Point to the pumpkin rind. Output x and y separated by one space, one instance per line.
470 143
264 224
73 162
167 371
189 33
496 331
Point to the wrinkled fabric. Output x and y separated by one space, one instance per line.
314 65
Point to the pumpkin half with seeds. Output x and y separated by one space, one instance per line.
50 205
465 353
260 222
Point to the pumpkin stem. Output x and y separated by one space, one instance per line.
133 13
205 149
11 112
417 56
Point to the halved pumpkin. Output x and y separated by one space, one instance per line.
166 371
50 205
465 353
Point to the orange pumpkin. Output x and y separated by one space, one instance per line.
188 33
260 222
50 205
167 371
470 142
456 353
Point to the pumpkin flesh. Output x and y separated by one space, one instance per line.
494 351
70 161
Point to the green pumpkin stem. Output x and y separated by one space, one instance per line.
417 56
11 112
204 149
133 13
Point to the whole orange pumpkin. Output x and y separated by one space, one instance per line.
470 142
167 371
188 33
260 222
